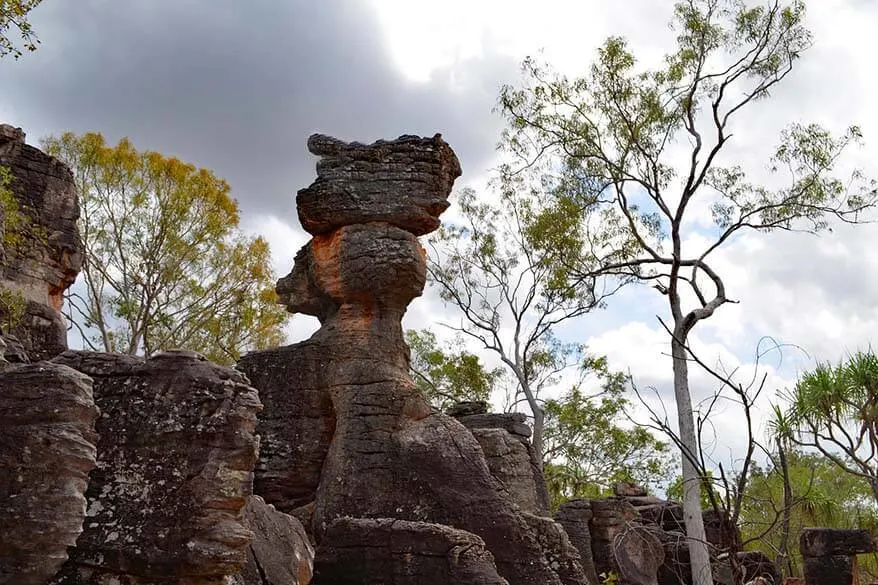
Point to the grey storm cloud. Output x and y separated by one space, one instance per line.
238 86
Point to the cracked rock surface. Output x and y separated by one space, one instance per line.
176 450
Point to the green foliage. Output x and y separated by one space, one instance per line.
448 376
508 297
12 308
13 17
587 446
12 222
166 265
675 491
834 408
820 497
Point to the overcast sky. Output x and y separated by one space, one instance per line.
238 86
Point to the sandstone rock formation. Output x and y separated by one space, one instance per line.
384 551
47 449
384 455
830 554
176 451
49 256
575 516
505 440
280 553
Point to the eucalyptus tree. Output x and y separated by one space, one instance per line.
14 18
509 300
629 153
166 265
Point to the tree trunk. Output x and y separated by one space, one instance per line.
783 559
873 482
698 553
539 424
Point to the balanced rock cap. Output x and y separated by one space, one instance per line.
403 182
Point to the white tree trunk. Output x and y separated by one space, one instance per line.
698 552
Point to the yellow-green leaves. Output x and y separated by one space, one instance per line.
166 264
14 23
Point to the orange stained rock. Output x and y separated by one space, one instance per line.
326 249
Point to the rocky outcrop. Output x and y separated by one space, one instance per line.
297 422
575 516
176 451
280 553
830 554
48 256
404 182
47 449
386 551
505 439
391 458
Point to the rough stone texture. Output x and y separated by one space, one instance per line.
639 553
822 542
12 350
391 456
47 449
830 570
404 182
517 467
175 458
280 553
575 516
610 517
510 462
50 256
512 422
467 408
297 422
627 489
396 552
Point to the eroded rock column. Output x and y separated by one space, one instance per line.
386 459
48 256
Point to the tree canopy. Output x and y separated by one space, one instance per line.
14 23
166 265
607 148
834 409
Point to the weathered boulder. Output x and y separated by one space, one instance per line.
378 551
830 570
12 350
830 554
513 422
468 407
47 449
639 554
391 456
575 516
510 461
280 553
48 257
610 517
822 542
505 439
296 424
404 182
176 452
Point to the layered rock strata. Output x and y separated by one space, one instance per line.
176 451
389 456
47 449
48 255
